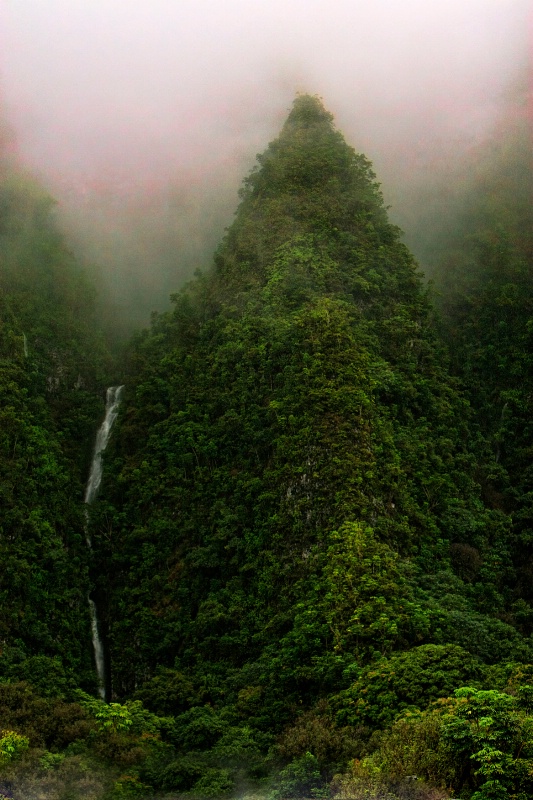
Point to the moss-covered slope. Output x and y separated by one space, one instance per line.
296 469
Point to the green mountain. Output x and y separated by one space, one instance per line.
295 490
310 553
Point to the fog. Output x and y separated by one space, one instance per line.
143 116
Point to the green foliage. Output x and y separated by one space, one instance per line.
412 746
49 761
485 281
491 736
127 735
214 783
12 746
47 675
52 368
366 593
182 773
292 452
479 743
300 778
169 692
410 680
360 784
113 718
311 531
56 776
46 722
129 786
198 728
314 732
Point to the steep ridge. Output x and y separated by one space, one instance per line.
296 468
52 362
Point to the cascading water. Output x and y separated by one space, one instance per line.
93 484
102 438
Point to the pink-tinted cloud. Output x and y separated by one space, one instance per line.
166 98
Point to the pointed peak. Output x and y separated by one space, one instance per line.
308 110
312 161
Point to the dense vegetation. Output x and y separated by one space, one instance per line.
52 366
312 549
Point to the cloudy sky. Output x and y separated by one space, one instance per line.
136 93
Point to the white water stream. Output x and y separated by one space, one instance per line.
93 484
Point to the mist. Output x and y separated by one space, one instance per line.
142 118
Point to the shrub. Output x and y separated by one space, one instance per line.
12 746
314 732
182 773
167 693
214 783
46 722
300 778
479 742
198 729
407 680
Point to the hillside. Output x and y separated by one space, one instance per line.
309 551
297 493
52 370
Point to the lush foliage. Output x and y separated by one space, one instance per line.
51 368
486 303
478 741
311 554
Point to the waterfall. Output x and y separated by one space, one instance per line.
98 648
93 484
102 438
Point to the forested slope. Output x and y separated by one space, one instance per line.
299 492
52 365
311 553
485 283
